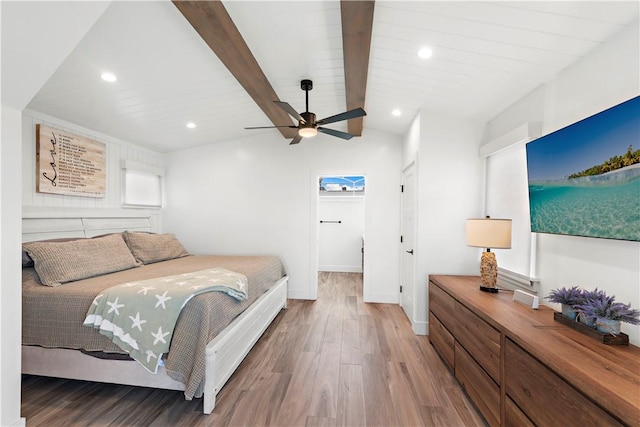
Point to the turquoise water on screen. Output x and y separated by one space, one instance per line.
605 206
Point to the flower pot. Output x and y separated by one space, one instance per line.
608 326
590 322
567 310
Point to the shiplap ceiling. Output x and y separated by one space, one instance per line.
486 56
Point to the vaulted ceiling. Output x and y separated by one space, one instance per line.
486 55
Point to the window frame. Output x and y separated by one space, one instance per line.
141 169
513 143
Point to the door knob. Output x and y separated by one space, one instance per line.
410 252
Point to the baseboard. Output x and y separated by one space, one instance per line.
382 298
420 327
341 268
296 294
20 422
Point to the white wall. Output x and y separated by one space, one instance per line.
340 244
30 54
116 151
36 37
449 192
259 195
604 78
10 282
411 143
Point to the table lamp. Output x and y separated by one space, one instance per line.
489 233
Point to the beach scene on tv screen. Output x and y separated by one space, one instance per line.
584 179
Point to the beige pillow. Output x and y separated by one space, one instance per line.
152 247
28 262
60 262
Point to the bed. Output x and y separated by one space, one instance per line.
212 336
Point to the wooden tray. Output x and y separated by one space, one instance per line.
620 339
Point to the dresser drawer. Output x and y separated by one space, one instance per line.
480 339
513 416
442 305
441 339
478 385
546 398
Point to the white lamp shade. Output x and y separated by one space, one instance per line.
489 233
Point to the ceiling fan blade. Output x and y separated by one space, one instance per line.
272 127
296 140
334 132
351 114
289 109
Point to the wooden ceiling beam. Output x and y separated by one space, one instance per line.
357 25
212 21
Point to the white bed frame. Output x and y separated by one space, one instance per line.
223 354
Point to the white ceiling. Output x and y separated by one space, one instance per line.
486 56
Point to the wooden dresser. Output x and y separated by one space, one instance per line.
521 368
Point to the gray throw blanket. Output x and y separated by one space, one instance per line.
140 316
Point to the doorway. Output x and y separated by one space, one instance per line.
341 224
407 246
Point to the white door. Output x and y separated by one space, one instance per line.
407 255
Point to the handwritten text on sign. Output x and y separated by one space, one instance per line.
69 164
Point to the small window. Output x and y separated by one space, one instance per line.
142 185
341 186
507 196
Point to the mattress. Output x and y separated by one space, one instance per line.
53 316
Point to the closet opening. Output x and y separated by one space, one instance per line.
341 229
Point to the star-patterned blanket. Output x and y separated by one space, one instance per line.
140 316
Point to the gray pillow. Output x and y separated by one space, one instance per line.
26 260
61 262
148 248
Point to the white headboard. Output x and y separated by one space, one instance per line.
39 223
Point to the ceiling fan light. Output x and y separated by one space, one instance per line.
308 132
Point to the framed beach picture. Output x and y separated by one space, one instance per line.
584 179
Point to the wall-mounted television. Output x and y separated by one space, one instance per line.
584 179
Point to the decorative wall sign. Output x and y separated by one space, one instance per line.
69 164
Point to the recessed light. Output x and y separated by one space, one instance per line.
425 53
396 112
108 77
191 125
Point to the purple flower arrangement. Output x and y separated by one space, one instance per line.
569 298
594 308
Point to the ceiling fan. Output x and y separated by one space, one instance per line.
308 127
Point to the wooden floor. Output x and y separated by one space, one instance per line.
332 362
